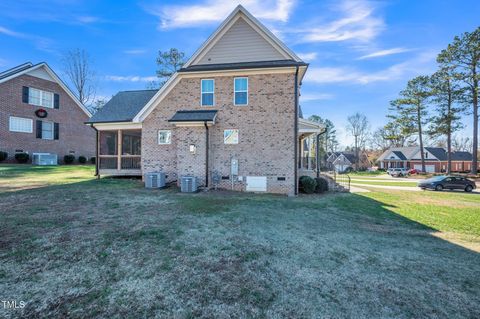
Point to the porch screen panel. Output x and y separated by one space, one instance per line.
131 143
108 143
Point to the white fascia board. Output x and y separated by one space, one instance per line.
117 126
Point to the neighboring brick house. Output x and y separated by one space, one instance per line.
39 114
235 101
435 159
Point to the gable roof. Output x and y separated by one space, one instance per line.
190 65
400 155
28 67
242 65
241 13
408 153
461 156
123 106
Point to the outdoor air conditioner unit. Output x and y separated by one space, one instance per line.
45 159
155 180
188 184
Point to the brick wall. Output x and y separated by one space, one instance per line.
73 134
266 136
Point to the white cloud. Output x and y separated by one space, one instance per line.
315 97
384 53
307 56
87 19
135 51
357 22
422 64
130 78
11 33
211 11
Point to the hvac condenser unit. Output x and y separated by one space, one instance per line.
188 184
155 180
44 159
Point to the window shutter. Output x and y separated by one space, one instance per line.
56 127
25 94
56 101
39 129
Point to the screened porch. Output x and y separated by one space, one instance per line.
119 152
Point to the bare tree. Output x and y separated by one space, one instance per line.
77 66
358 126
463 144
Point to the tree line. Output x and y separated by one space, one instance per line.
434 105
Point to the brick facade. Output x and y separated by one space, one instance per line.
266 133
74 135
440 166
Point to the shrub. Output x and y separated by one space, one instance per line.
3 156
22 157
93 159
307 184
68 159
322 185
82 159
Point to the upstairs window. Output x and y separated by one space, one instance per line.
40 98
208 87
241 91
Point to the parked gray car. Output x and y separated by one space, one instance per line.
440 183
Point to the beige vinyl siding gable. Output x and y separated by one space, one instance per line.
241 43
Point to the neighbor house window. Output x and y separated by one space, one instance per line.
47 130
230 136
208 88
240 91
40 98
20 124
164 137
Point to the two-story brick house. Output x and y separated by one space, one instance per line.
233 104
39 114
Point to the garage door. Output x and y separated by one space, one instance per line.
428 168
256 183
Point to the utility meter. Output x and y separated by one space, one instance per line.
234 167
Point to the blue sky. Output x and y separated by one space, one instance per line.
361 53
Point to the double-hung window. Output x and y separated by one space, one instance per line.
208 91
40 98
47 130
240 91
20 124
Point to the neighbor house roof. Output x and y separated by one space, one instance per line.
408 152
400 155
28 67
123 106
462 156
194 116
242 65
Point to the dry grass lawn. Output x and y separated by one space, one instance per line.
78 247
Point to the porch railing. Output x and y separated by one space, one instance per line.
127 162
307 163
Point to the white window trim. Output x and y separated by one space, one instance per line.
53 130
158 137
231 129
20 118
235 91
201 93
42 92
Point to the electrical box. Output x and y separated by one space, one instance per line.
234 167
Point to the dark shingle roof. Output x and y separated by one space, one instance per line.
123 106
462 156
16 69
350 157
242 65
194 116
400 155
438 152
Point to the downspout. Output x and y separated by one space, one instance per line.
317 151
96 151
206 154
295 134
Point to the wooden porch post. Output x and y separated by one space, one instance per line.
119 150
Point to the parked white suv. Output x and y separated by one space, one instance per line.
398 172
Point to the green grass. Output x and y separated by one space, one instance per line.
77 247
385 183
367 173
